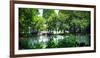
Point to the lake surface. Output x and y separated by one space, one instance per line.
43 39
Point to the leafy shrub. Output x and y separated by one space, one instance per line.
69 41
38 46
24 44
52 43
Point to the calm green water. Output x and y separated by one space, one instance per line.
43 39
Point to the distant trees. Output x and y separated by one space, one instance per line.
50 17
80 21
73 21
38 23
64 18
25 19
30 21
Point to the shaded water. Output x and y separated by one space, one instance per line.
44 39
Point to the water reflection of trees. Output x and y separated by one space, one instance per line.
54 41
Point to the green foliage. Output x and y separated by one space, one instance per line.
52 43
38 23
25 19
80 21
51 19
69 41
26 44
73 21
38 46
66 20
48 13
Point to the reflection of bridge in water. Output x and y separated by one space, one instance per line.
43 33
51 32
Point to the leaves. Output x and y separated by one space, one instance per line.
53 20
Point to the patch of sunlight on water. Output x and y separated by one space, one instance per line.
43 38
